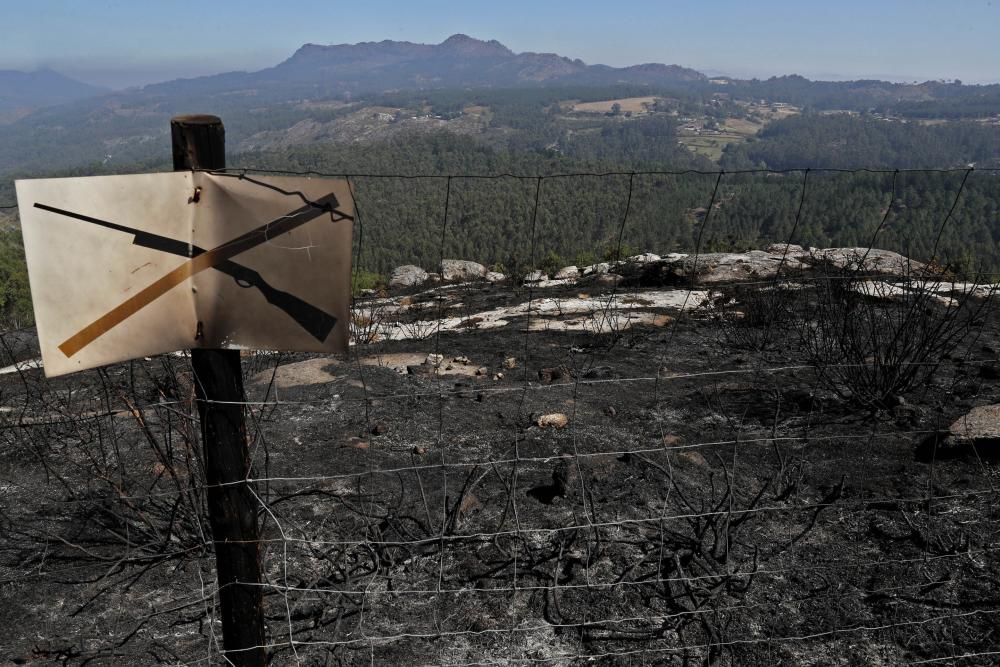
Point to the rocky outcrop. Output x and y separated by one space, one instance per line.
407 276
460 270
981 426
790 260
603 267
644 258
566 272
679 269
883 262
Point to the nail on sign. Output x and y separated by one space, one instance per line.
131 266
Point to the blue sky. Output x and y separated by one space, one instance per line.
128 42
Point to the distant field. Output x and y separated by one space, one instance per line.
709 146
781 113
633 104
742 126
734 130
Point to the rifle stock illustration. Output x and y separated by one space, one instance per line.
315 321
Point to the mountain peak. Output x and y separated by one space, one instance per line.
460 61
470 46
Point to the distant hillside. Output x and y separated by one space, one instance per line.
25 91
532 103
458 62
847 142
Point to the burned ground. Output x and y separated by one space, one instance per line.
716 496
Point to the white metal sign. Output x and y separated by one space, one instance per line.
130 266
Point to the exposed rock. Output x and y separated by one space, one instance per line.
753 265
407 276
556 374
470 503
535 277
510 362
566 272
785 249
648 269
460 270
555 283
692 457
884 262
434 359
554 420
724 267
644 258
708 268
980 426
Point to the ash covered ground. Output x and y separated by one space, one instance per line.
663 476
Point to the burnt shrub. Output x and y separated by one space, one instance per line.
872 338
752 316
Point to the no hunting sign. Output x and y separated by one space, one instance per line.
132 266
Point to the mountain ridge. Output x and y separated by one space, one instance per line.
458 61
24 91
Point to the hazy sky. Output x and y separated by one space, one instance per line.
130 42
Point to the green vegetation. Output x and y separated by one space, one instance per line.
842 141
15 296
489 220
362 280
535 132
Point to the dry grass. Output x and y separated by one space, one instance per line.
633 104
742 126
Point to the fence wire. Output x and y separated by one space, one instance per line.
647 467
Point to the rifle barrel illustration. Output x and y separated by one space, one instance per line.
314 320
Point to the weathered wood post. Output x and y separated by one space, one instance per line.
199 143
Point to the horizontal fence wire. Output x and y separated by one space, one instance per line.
587 174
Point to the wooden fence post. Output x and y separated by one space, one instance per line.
199 143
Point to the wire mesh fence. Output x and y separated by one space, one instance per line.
706 456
